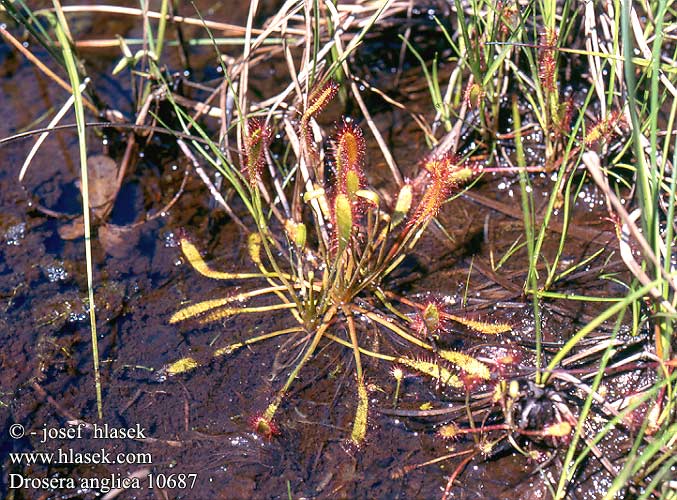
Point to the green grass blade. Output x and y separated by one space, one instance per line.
71 67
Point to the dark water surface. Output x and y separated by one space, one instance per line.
199 423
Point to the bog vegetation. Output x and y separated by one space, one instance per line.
561 101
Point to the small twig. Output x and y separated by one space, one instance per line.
59 408
210 185
399 473
186 407
454 475
168 206
57 118
129 11
130 126
139 392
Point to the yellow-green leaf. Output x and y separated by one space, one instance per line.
344 220
403 205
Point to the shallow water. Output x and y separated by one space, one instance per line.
199 423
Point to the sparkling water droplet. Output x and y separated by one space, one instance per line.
15 234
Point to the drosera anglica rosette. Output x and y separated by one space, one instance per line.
327 281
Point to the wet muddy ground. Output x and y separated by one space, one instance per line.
199 423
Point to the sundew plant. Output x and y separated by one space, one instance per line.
553 120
